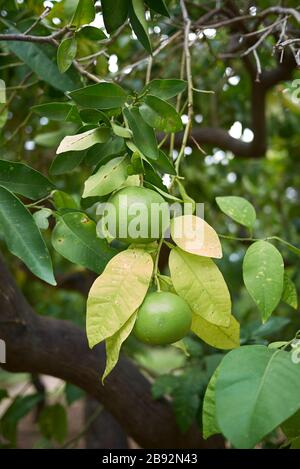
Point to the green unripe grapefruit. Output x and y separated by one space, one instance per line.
163 318
135 222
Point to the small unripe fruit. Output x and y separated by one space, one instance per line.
163 318
139 216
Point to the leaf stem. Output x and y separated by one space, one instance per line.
234 238
156 272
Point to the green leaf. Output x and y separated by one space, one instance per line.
37 58
180 345
53 423
84 13
121 131
159 6
268 329
210 425
41 218
277 344
84 140
165 88
289 293
50 139
160 115
23 237
107 179
2 92
295 443
143 134
185 197
63 200
221 337
23 180
164 164
66 162
75 238
101 152
165 194
116 16
73 393
54 111
3 394
66 53
94 116
291 427
263 271
239 209
100 96
257 389
139 24
198 280
186 397
164 385
92 33
117 293
114 344
185 405
165 283
20 407
151 176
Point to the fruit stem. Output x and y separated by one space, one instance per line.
156 272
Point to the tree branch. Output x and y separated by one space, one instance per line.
51 39
37 344
261 82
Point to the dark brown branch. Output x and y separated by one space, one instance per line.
51 39
54 347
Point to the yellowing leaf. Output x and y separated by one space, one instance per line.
199 281
218 336
114 344
117 293
84 140
196 236
108 178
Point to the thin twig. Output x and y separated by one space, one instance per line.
84 72
157 51
51 39
38 20
288 42
258 65
149 69
189 77
20 126
260 40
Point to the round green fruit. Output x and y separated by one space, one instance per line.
163 318
138 215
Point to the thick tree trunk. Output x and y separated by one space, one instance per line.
37 344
